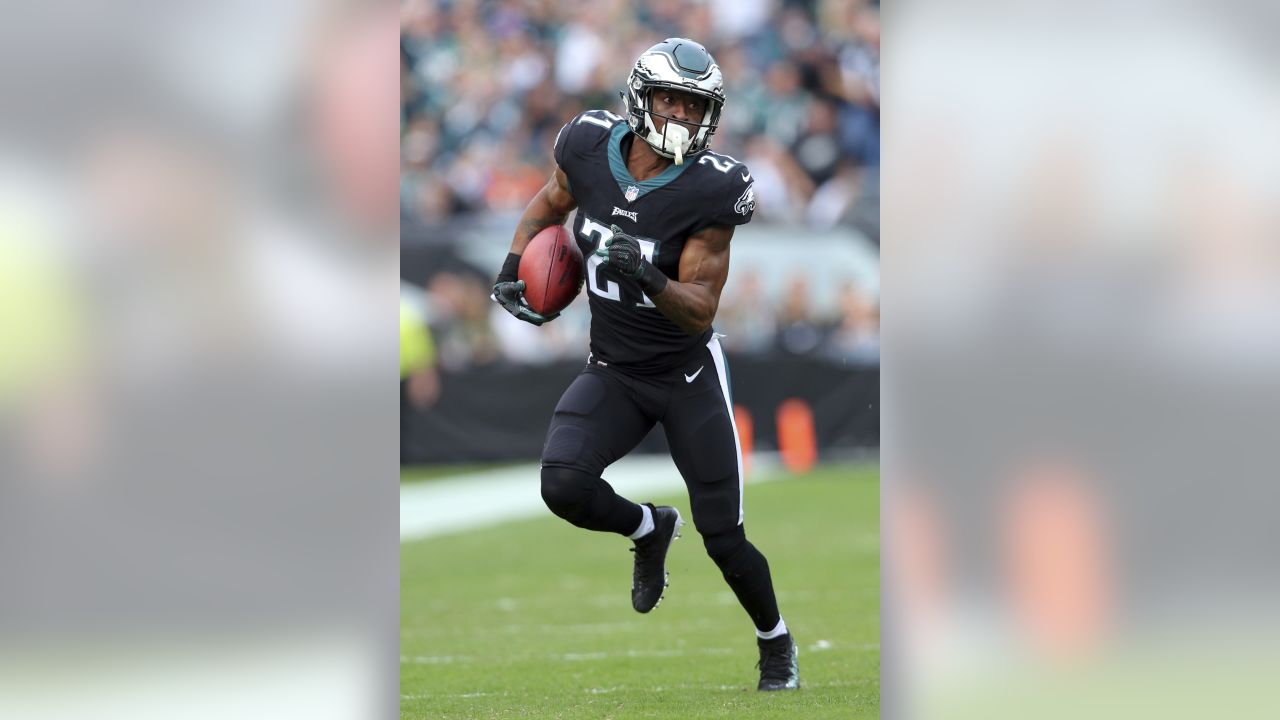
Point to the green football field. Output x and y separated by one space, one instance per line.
533 619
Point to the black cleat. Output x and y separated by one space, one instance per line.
650 575
779 667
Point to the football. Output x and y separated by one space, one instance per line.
551 268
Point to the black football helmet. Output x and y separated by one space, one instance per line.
676 64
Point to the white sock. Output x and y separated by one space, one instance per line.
646 524
779 629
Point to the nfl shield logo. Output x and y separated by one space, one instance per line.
631 193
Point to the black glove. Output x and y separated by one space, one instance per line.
509 293
622 252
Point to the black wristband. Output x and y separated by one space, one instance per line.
651 279
510 268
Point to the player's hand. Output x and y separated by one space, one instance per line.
622 252
510 295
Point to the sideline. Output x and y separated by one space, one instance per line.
452 505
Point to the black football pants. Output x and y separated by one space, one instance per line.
605 413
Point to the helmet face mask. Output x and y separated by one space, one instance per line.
678 65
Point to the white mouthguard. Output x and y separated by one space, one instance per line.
680 136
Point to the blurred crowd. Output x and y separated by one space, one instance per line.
468 330
487 84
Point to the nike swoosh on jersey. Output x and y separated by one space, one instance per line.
746 177
691 378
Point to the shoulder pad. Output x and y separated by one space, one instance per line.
583 135
734 200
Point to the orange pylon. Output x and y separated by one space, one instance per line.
796 438
746 437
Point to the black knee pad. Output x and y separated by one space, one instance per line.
566 492
728 549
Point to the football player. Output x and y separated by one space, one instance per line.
656 212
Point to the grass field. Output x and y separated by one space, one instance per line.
533 619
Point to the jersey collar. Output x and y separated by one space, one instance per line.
622 175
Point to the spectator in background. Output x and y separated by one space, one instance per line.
524 67
855 339
512 183
857 83
418 376
419 144
746 316
782 188
817 150
737 19
783 108
460 316
665 17
525 344
799 332
834 201
738 120
581 48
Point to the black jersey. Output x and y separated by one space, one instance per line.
709 189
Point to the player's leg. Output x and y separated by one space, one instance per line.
600 418
704 444
596 422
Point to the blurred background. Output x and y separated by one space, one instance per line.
485 87
198 477
1081 387
198 437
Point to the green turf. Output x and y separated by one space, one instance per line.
534 620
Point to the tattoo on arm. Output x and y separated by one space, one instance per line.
549 207
531 226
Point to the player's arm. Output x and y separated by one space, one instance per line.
550 206
691 301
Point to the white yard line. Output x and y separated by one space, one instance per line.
467 502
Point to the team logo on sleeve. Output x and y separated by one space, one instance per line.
632 193
747 202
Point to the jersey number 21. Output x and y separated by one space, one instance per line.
608 289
